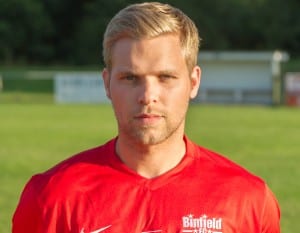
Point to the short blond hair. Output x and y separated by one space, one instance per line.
149 20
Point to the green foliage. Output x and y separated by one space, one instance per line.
280 23
265 140
24 31
70 31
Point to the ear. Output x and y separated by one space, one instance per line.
106 81
195 81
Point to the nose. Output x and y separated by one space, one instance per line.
148 91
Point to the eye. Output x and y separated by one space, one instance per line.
165 77
129 77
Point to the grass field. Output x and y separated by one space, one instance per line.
265 140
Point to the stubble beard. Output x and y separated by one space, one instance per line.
148 135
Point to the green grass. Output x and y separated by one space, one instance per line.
265 140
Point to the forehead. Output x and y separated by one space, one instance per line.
163 52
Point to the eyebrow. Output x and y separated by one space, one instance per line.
137 73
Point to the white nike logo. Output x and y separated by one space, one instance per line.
97 231
152 231
101 229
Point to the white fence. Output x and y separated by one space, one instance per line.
79 87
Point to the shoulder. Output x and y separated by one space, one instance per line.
60 187
228 180
221 169
71 174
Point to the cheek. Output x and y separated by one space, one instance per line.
179 100
121 100
182 93
118 102
119 110
116 92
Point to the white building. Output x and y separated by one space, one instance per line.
241 77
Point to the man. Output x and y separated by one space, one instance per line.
151 177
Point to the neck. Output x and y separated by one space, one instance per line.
151 161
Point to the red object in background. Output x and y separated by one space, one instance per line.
293 100
292 89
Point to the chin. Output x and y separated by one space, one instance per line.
149 139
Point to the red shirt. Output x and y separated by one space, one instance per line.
95 192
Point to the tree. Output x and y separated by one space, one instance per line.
280 22
70 31
24 29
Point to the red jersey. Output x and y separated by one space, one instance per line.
95 192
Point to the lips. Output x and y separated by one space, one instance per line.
147 115
148 118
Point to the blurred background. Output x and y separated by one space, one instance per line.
51 35
69 32
51 52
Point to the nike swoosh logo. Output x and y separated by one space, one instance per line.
152 231
101 229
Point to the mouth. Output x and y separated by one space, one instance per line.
147 115
148 118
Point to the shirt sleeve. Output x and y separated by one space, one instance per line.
27 217
271 214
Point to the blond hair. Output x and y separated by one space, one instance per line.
149 20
